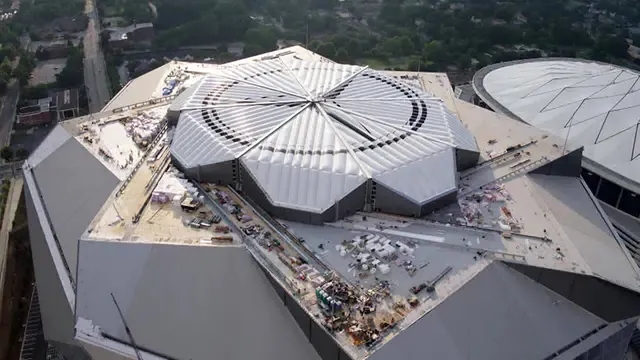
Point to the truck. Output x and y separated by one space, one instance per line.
190 205
222 229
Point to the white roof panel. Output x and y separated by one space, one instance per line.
311 132
305 165
596 105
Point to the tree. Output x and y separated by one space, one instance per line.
252 50
406 46
35 92
8 51
463 62
5 67
353 47
314 45
391 12
263 37
414 64
23 74
132 66
612 45
6 154
72 75
327 50
342 55
434 52
21 153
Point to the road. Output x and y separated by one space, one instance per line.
5 169
95 68
8 112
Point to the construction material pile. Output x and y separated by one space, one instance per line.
173 80
173 187
488 207
144 127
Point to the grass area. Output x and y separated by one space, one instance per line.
372 63
111 11
114 78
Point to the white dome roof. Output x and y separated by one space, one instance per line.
311 132
592 104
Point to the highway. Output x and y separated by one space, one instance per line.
95 68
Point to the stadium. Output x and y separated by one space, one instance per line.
286 206
589 104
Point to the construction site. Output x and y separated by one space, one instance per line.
280 190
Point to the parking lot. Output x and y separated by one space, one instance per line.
45 71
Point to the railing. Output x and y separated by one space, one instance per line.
248 242
32 328
285 234
156 101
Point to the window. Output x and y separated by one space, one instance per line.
630 203
591 179
609 192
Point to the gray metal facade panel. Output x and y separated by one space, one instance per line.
389 201
602 298
609 343
74 186
586 227
188 302
57 137
628 223
218 173
466 159
348 205
567 165
100 353
56 311
499 314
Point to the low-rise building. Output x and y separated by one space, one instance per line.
67 104
37 113
60 106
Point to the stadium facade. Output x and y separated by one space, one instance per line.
590 104
360 215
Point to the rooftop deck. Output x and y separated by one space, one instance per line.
147 207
